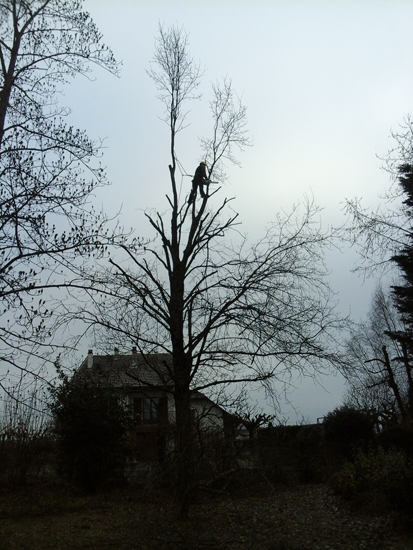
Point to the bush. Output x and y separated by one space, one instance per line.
379 478
399 436
310 446
348 429
292 454
90 426
25 443
24 451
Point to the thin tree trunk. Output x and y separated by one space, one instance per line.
393 384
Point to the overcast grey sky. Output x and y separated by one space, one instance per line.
324 83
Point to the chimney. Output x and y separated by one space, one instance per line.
90 359
134 356
116 356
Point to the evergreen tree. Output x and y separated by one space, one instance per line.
403 293
91 420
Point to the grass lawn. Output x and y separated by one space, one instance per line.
306 517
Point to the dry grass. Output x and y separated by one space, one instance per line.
303 518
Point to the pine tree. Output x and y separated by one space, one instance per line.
403 293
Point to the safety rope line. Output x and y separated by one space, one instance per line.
183 174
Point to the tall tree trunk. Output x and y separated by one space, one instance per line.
184 450
182 365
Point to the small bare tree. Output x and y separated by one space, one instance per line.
229 314
25 443
378 368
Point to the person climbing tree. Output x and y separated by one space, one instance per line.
200 179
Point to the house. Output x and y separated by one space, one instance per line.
146 381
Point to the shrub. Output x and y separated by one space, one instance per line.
399 436
311 453
292 454
348 429
23 451
25 445
90 426
379 478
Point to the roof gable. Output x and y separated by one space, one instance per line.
133 370
136 370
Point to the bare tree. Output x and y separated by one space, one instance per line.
229 313
378 369
377 234
48 169
381 233
384 239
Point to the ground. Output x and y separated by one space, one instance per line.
306 517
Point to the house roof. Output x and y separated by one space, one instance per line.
133 370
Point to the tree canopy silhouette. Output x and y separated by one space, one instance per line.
230 313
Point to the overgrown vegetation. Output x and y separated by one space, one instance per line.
290 455
378 479
90 423
380 350
25 439
249 510
348 429
279 496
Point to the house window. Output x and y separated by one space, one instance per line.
150 410
145 410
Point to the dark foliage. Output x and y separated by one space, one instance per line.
378 480
348 428
404 293
292 454
90 425
399 436
24 454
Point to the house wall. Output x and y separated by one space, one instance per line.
206 413
155 441
209 416
171 408
150 437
